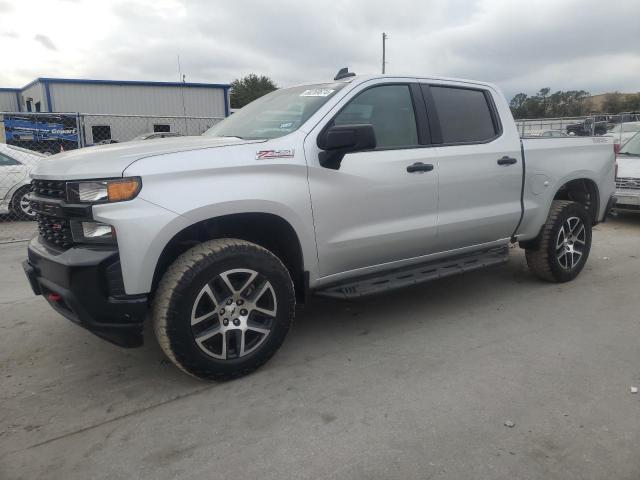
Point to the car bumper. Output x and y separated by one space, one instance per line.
85 285
4 206
627 200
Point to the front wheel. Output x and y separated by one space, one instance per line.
21 206
565 243
223 308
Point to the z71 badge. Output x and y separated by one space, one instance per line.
269 154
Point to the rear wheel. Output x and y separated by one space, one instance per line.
223 308
21 206
564 245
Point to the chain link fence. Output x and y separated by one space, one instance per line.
595 124
532 126
28 138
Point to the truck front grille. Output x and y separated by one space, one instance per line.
49 188
55 231
628 183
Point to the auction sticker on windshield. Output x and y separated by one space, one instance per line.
317 92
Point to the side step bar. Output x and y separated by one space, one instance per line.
399 278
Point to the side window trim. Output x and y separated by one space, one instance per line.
434 121
419 112
432 114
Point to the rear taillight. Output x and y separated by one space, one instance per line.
616 148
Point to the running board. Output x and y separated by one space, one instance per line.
414 274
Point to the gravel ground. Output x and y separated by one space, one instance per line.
415 384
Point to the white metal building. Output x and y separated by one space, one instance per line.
9 99
120 110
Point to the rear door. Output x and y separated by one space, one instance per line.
479 165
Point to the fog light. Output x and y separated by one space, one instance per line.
96 230
92 232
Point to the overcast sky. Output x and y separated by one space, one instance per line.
522 45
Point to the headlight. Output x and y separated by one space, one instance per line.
103 191
92 232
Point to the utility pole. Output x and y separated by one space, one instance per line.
384 51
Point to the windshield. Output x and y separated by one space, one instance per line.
276 114
632 147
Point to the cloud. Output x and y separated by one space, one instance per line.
45 41
520 45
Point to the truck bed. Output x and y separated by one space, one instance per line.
550 162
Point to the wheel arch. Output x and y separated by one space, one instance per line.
582 190
268 230
13 191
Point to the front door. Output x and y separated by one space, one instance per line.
373 210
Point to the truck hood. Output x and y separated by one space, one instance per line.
628 167
106 161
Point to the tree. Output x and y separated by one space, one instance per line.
632 103
247 89
543 104
517 104
613 102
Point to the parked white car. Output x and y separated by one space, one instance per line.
628 176
15 166
623 132
545 133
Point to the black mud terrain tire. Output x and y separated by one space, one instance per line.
564 244
219 281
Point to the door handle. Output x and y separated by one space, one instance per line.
419 167
507 160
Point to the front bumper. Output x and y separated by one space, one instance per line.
627 200
84 284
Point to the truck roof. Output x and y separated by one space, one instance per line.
358 79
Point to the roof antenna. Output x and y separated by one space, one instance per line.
344 73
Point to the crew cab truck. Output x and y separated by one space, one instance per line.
344 188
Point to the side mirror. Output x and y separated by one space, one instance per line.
339 140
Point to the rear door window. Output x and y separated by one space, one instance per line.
464 115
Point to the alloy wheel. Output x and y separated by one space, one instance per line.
233 314
25 205
571 243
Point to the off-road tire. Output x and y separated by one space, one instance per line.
542 260
173 302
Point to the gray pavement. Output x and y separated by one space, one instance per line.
415 384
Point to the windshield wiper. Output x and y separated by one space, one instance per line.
630 154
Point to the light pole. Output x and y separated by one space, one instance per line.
384 51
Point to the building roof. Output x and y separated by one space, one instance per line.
84 81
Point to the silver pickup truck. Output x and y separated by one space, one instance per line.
344 189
